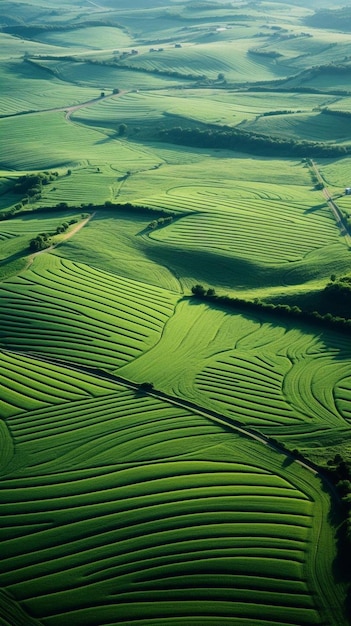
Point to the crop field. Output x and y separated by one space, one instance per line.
113 243
210 59
38 90
29 147
98 76
170 459
336 172
12 47
242 367
28 384
73 325
167 520
286 232
311 126
200 105
86 38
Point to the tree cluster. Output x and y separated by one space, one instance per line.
162 221
43 240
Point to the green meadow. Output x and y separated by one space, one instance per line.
175 417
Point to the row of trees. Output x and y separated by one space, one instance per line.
235 139
281 310
337 112
162 221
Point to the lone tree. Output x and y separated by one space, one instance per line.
146 386
122 129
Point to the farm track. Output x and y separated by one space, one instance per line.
340 222
186 404
65 237
69 109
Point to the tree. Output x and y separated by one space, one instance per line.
146 386
122 129
198 290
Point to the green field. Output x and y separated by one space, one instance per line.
167 517
166 459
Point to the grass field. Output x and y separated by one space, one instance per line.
243 367
167 519
157 451
73 325
311 127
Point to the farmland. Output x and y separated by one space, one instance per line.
175 417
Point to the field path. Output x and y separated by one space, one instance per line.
68 109
339 218
64 238
75 107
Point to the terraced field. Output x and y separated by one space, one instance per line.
134 504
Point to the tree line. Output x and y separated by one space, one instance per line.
281 310
228 138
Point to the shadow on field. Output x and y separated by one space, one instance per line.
289 460
14 257
315 208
